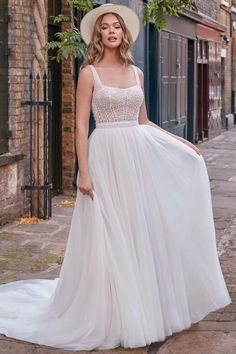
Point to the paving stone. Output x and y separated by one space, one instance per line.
11 346
216 333
221 173
201 343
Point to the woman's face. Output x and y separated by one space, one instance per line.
111 31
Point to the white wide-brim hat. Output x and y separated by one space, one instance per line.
129 16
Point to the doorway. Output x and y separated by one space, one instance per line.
173 83
202 102
203 90
191 131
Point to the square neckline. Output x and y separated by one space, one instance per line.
114 87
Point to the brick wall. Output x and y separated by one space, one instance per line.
13 201
68 117
208 7
224 17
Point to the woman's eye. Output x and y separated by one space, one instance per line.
104 28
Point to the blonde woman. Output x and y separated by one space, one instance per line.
141 260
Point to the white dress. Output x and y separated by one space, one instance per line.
141 261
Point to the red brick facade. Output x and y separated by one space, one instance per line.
24 42
208 7
13 175
68 117
227 67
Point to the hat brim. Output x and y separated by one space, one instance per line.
129 16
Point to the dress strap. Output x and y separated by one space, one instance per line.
136 74
95 75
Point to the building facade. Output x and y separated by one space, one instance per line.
25 27
190 73
227 16
16 42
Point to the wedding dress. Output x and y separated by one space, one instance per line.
141 261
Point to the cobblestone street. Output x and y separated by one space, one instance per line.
36 251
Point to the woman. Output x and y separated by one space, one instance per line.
141 260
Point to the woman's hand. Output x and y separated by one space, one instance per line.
85 185
194 147
143 119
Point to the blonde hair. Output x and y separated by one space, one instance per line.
95 48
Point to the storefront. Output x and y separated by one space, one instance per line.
185 85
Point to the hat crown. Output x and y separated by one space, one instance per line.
129 16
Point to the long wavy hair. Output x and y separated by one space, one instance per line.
95 49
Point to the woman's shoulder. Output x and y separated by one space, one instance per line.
85 71
138 69
86 75
140 72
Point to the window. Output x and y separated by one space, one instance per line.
202 51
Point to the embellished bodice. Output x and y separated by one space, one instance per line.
112 104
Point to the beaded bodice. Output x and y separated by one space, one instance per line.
110 104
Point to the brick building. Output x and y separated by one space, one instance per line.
24 29
16 31
209 8
227 15
224 12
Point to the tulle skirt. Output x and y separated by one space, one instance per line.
141 261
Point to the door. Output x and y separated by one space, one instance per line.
203 101
191 105
215 94
151 75
202 89
209 89
173 88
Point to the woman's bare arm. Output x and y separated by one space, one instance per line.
143 118
83 108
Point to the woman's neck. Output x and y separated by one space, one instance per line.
111 58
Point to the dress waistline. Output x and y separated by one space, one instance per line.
118 124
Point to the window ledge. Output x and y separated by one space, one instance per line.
7 159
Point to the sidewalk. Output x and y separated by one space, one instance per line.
39 249
216 334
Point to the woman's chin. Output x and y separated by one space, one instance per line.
114 44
